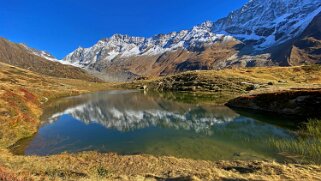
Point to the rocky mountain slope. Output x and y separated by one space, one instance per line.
124 56
123 46
307 48
261 33
39 61
267 23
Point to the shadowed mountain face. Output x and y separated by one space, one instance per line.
268 23
261 33
307 48
38 61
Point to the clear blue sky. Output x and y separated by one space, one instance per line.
60 26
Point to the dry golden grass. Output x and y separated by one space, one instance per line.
281 76
17 55
97 166
23 93
300 75
235 82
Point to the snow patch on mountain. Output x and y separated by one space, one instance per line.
123 46
269 22
260 24
39 53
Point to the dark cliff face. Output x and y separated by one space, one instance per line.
302 50
302 103
18 55
307 48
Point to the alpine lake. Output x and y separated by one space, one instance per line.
133 122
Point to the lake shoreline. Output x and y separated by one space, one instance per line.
94 165
113 168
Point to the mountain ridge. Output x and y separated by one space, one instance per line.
28 58
126 46
248 36
267 19
257 34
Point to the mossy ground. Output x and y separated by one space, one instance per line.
23 94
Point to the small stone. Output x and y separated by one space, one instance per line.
237 154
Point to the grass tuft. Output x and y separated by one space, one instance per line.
305 148
102 172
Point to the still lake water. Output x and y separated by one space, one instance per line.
131 122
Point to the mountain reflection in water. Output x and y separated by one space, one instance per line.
133 110
129 122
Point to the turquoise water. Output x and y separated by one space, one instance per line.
130 122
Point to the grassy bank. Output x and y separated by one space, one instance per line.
23 95
306 148
97 166
236 81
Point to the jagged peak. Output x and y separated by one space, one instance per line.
262 23
80 48
268 22
206 25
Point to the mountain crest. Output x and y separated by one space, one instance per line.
120 45
269 22
249 36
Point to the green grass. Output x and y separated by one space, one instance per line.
305 148
313 128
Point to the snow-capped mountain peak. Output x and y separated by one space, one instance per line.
259 26
123 46
269 22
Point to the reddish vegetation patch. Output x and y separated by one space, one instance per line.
29 96
6 175
26 117
17 105
8 97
